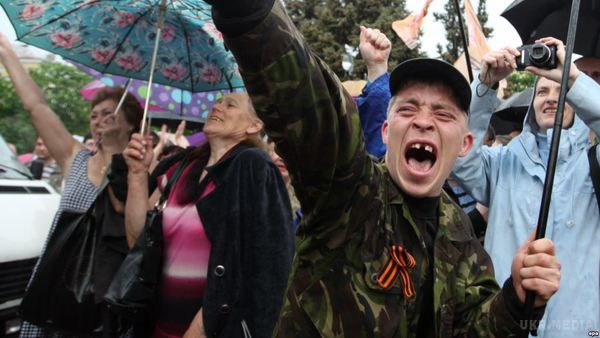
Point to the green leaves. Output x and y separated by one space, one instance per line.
61 84
329 25
518 82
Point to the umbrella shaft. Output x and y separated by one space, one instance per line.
125 92
152 66
161 20
553 156
558 121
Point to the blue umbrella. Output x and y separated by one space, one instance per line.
131 38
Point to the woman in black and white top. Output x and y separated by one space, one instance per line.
83 171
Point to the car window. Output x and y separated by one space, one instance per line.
10 167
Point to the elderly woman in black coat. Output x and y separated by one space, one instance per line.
227 227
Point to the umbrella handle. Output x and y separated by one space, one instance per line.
161 20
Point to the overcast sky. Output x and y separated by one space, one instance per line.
504 34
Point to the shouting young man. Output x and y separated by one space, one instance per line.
381 251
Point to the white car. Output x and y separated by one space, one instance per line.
27 207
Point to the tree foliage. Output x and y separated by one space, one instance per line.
329 25
483 17
518 82
449 19
61 84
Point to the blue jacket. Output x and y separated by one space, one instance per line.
509 179
372 109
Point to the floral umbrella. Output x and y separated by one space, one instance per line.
179 103
118 37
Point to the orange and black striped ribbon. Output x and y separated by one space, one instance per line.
398 263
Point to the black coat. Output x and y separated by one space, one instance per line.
248 221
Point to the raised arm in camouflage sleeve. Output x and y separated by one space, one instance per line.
306 111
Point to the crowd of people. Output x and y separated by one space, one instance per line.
309 213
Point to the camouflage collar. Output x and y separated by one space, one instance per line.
453 224
395 195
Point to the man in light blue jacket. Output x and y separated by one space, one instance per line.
509 180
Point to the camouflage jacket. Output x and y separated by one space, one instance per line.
353 212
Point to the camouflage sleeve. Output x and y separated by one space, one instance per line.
308 114
484 309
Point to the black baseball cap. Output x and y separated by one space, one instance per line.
426 68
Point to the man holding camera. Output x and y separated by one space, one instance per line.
509 180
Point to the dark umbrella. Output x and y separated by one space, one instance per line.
511 112
534 19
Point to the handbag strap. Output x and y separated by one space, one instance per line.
178 171
103 184
594 171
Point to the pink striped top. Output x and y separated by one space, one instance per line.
187 250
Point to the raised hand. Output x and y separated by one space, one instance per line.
375 50
180 139
163 136
535 268
163 139
138 154
497 65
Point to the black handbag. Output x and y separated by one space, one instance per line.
133 292
61 294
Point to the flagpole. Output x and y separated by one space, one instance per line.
464 39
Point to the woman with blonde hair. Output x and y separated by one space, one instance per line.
227 227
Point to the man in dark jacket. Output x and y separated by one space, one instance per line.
381 251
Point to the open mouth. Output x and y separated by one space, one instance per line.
214 118
550 111
420 156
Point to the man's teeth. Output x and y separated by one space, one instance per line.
425 147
